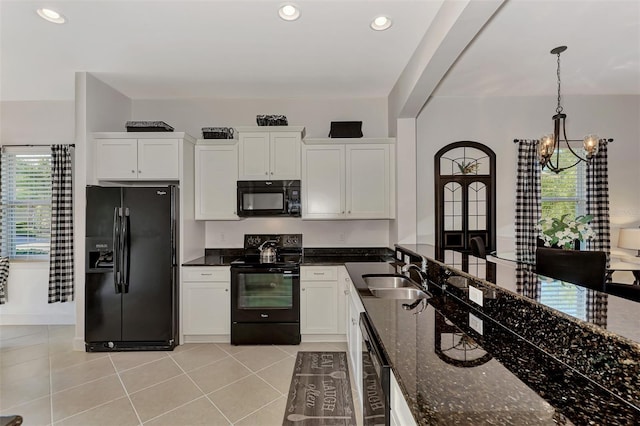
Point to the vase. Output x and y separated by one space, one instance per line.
576 245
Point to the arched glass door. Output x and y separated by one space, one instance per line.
465 196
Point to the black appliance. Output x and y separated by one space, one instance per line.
269 198
131 273
376 378
265 296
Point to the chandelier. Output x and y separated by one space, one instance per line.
549 145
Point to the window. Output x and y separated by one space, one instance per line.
26 203
564 192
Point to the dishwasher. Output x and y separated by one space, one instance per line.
376 378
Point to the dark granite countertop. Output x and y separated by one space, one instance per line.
451 374
311 256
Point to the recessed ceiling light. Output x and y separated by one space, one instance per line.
381 23
289 12
51 16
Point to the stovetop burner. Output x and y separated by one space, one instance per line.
288 248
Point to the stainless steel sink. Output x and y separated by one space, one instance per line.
408 293
388 281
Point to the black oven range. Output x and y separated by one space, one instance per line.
265 291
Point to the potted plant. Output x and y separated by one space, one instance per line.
565 231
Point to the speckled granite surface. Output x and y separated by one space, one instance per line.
450 374
311 256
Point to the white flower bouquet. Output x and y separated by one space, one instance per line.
564 231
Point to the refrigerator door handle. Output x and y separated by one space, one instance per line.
126 253
116 249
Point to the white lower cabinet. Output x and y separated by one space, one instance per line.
400 413
206 303
319 299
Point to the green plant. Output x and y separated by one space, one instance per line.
565 230
467 168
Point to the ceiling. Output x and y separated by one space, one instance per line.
242 49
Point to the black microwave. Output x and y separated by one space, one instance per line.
269 198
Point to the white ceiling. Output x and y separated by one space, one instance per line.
241 49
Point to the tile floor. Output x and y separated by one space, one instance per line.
48 383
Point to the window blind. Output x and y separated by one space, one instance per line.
567 298
26 202
564 192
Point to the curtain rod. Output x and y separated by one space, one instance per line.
573 140
73 145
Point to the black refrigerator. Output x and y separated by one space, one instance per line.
131 273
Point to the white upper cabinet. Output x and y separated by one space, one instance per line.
120 156
216 172
348 179
323 182
269 153
368 181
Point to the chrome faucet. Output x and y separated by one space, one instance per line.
421 273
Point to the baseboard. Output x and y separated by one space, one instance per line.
328 338
207 338
35 319
78 344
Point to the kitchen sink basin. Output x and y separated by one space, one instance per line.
409 293
387 281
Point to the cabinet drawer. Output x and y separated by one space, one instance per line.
206 273
319 273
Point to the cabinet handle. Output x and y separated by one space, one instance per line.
226 289
271 172
139 171
342 211
303 289
133 171
353 321
346 292
266 173
203 274
349 212
318 273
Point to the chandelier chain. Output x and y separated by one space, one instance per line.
559 107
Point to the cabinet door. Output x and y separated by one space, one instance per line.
319 307
216 174
206 308
368 181
284 156
158 159
323 182
253 159
355 343
116 159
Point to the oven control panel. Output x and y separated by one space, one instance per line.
253 241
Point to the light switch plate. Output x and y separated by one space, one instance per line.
475 295
407 259
476 324
399 255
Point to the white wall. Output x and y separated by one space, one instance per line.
99 108
37 123
316 115
191 115
496 122
316 233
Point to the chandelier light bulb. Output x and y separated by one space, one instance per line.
591 144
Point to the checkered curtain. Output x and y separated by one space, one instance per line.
61 253
527 200
527 281
598 207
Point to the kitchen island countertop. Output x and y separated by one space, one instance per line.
450 373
